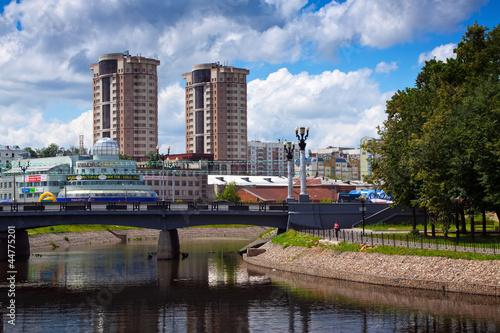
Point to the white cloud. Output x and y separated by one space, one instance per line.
34 131
442 53
337 106
172 119
383 67
287 8
47 46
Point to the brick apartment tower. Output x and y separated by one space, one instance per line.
125 95
216 112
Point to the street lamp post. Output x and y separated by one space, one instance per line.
362 199
289 149
126 190
304 133
24 168
63 182
162 156
171 165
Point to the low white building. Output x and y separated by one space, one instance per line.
9 155
216 183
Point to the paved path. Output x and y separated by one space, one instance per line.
386 238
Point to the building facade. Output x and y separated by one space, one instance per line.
216 111
267 158
365 158
125 102
181 177
9 154
330 167
93 177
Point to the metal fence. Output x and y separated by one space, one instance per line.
403 240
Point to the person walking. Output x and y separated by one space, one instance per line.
336 227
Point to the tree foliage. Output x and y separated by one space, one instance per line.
230 193
51 150
441 139
125 157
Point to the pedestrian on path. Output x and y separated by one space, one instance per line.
336 227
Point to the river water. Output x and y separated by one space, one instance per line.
118 289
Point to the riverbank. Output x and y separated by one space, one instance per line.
429 273
65 240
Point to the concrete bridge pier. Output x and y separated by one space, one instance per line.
19 245
168 245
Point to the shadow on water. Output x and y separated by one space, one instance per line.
453 306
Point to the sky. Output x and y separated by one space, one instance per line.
328 65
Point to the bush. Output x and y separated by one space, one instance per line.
415 233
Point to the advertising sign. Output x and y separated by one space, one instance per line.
103 177
35 178
32 190
155 177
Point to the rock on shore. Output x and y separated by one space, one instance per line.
431 273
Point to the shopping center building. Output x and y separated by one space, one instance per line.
76 177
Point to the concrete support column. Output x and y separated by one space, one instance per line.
21 245
303 196
168 245
290 182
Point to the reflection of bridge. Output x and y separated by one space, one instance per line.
17 217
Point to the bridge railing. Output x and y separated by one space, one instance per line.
138 206
401 240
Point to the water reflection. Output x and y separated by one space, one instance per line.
371 308
117 289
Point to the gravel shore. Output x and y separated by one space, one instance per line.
430 273
92 238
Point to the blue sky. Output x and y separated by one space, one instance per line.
323 64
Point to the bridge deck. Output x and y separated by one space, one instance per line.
169 216
152 216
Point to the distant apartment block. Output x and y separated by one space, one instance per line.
267 158
336 162
330 167
216 112
365 156
125 102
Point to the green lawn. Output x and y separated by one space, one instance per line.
75 228
294 238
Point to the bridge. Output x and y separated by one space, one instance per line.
16 218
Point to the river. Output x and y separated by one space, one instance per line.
118 289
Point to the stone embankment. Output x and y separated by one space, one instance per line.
77 239
430 273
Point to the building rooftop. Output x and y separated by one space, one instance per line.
247 180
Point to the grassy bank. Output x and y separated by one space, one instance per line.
99 227
293 238
75 228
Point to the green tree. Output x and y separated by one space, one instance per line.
390 166
32 152
51 151
153 157
441 140
125 157
230 193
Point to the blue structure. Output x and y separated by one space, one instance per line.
371 196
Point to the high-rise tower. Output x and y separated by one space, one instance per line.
125 95
216 111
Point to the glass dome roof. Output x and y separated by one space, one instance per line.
106 146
